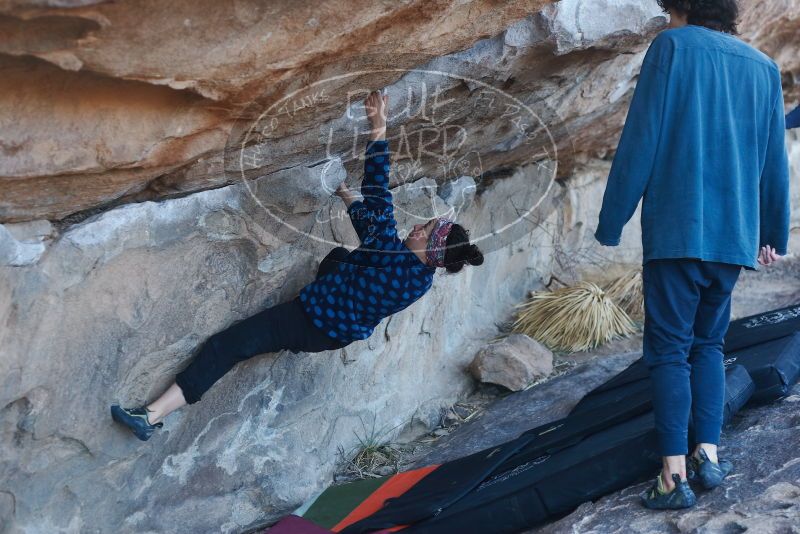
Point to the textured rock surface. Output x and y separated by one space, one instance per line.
513 362
179 79
508 417
118 304
114 103
175 77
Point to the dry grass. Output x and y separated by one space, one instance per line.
373 457
372 462
575 318
626 292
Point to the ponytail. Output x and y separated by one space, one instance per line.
460 251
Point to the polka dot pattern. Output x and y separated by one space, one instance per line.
379 278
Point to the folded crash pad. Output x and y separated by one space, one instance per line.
296 525
551 485
763 327
766 345
453 480
774 366
545 472
339 506
632 380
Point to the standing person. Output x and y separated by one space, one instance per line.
352 293
793 119
703 145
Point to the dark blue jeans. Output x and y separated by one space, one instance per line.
687 310
282 327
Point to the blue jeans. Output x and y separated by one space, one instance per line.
687 310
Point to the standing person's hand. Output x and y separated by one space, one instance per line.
375 105
767 255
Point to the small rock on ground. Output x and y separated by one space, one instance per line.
513 362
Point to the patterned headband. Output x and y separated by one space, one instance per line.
437 242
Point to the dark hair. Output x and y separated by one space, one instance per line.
460 251
720 15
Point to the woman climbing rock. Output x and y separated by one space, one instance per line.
352 293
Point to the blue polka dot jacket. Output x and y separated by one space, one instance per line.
379 278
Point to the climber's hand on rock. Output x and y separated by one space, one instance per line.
345 194
767 255
375 105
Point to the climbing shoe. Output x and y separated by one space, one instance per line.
136 420
705 472
658 498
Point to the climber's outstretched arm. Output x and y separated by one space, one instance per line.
375 106
374 214
344 192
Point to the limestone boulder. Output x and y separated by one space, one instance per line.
120 302
514 362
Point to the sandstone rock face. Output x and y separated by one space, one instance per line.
514 362
182 80
102 99
115 120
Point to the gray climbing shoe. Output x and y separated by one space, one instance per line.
705 472
136 421
658 498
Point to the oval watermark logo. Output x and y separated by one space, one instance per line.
455 131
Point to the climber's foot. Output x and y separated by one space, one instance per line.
710 474
659 498
136 420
